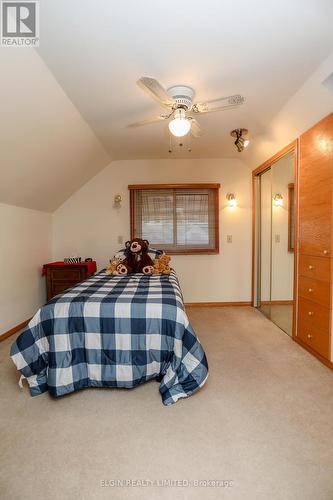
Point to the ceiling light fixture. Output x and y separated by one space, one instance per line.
240 142
179 126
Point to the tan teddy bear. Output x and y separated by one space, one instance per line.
118 267
112 267
161 265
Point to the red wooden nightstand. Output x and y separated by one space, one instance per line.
60 276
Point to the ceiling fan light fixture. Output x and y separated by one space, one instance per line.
179 126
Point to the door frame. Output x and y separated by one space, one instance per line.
293 146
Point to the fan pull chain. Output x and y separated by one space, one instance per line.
170 144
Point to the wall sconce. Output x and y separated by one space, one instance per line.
278 200
232 202
117 201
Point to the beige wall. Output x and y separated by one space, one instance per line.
25 244
88 224
312 102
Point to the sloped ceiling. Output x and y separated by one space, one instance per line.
64 109
47 150
262 49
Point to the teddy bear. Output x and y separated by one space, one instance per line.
117 267
161 265
112 266
137 257
122 269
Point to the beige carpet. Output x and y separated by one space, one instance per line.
264 420
281 315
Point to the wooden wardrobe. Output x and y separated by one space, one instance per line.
315 240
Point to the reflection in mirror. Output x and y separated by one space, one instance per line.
265 207
282 262
275 220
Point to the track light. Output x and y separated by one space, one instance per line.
240 142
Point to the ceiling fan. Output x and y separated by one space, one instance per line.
178 100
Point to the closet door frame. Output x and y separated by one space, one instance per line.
293 146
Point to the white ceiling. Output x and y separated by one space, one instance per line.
263 49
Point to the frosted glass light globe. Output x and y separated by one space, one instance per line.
179 126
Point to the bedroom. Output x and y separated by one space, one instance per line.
245 219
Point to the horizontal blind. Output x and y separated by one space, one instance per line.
176 219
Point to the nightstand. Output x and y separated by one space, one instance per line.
60 276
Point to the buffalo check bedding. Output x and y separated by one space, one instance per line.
113 331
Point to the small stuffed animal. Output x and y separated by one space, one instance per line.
161 265
112 266
117 267
122 269
137 257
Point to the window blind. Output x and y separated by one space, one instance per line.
178 220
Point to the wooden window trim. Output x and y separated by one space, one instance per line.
214 186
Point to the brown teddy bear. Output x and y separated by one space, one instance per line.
137 257
161 265
118 268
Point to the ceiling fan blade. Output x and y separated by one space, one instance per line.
196 130
155 119
156 91
220 104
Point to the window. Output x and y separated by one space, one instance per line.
178 218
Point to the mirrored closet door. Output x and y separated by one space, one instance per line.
274 238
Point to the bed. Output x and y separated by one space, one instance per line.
113 331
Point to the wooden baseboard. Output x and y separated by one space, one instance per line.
325 361
277 302
13 330
217 304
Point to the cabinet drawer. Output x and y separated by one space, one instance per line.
315 267
67 274
314 315
318 291
318 341
60 286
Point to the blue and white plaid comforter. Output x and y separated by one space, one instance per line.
113 331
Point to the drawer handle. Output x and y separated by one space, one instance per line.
311 267
310 313
309 336
310 290
326 252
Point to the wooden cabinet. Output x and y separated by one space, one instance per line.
315 193
60 276
315 237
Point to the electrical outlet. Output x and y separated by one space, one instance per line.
229 238
120 240
277 238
